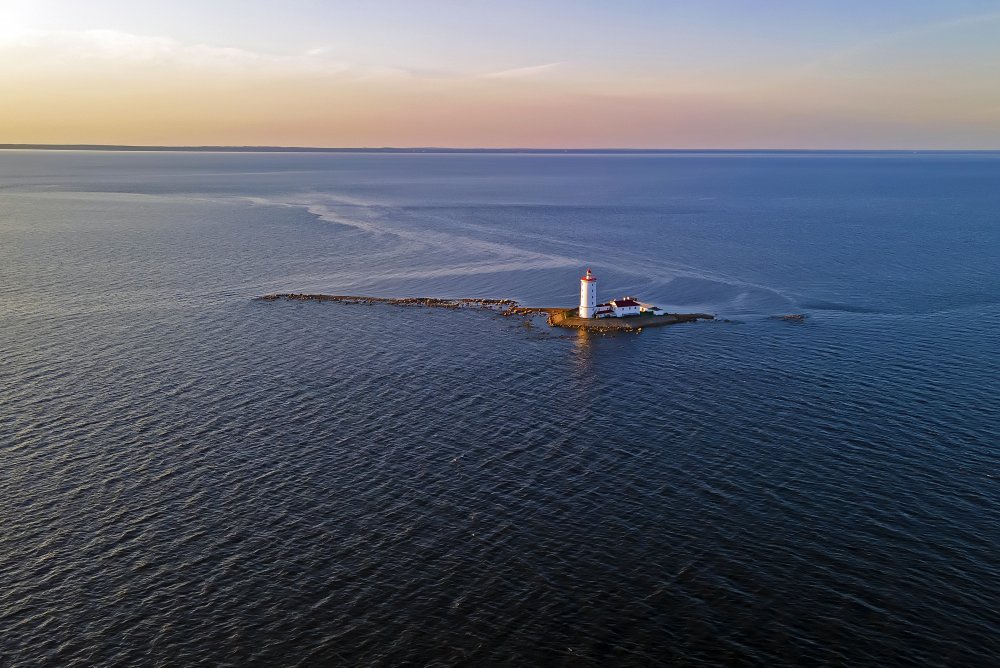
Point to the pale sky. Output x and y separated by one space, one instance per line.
560 74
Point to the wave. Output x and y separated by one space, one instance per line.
820 305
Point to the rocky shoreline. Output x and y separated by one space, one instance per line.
636 323
427 302
556 317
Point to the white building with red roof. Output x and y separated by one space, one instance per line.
625 306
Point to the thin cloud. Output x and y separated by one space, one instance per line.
521 72
69 48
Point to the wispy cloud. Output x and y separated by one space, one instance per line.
521 72
34 49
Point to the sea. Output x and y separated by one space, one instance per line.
192 477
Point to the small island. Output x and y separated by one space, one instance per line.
627 314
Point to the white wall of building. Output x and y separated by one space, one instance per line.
626 310
588 296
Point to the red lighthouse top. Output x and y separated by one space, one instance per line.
589 277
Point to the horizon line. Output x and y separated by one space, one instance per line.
451 149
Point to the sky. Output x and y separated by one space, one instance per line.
796 74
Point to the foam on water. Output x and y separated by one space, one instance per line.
467 249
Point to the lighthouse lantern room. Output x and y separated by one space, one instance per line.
588 295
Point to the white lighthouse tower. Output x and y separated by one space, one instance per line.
588 295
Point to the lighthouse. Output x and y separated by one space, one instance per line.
588 295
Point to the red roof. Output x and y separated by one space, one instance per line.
589 277
621 303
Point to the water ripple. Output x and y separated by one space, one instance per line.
194 478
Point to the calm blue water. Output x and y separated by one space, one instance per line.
190 477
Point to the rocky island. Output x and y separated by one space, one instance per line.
626 314
556 316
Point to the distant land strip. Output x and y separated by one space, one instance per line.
439 149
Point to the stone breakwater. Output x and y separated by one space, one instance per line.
556 317
427 302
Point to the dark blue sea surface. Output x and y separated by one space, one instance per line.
192 477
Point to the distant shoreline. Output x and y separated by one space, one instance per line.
434 149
